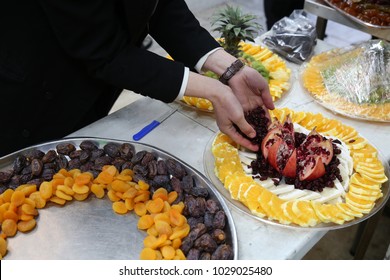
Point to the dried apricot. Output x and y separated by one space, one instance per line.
163 227
167 206
9 227
180 232
176 243
65 189
46 190
130 193
98 190
152 231
29 210
80 189
176 218
155 205
129 204
63 195
120 186
172 196
119 207
168 252
80 197
145 222
29 201
140 208
10 215
82 179
150 241
143 185
57 200
27 189
69 181
160 192
179 207
3 247
148 254
142 197
112 196
180 254
40 202
25 226
162 217
7 194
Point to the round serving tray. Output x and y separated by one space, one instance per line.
355 19
90 229
208 160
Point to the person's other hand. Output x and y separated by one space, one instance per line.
227 108
251 89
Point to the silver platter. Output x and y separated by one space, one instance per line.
90 230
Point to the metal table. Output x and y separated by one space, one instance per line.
186 133
325 13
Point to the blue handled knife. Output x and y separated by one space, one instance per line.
138 136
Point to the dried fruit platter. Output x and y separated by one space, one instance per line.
278 73
351 81
359 184
79 225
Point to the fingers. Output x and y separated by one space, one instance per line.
239 139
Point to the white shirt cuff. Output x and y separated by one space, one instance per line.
202 60
183 84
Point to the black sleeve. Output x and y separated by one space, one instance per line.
92 32
177 30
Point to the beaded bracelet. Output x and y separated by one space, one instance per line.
231 71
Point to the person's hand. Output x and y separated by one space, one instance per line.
251 89
228 109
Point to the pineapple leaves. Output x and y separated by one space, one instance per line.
235 27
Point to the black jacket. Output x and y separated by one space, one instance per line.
63 63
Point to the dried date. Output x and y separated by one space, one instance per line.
152 169
19 164
65 148
199 192
205 256
62 162
74 163
75 154
112 149
162 168
95 154
187 183
141 170
50 156
193 254
208 220
219 220
212 206
36 167
88 145
138 157
175 168
47 174
206 243
127 151
34 154
148 157
84 156
223 252
6 176
219 235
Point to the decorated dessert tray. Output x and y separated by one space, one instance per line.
95 198
310 172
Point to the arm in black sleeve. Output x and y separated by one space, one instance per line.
177 30
92 32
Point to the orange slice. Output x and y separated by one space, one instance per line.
251 198
356 143
265 202
367 151
305 212
347 210
223 138
357 179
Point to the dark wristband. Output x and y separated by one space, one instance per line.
231 71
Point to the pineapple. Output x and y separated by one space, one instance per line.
234 27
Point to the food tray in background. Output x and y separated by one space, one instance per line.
90 229
356 19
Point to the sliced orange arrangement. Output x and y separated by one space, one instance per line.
279 82
364 185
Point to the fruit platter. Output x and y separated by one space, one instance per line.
352 81
270 65
96 198
310 171
371 13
